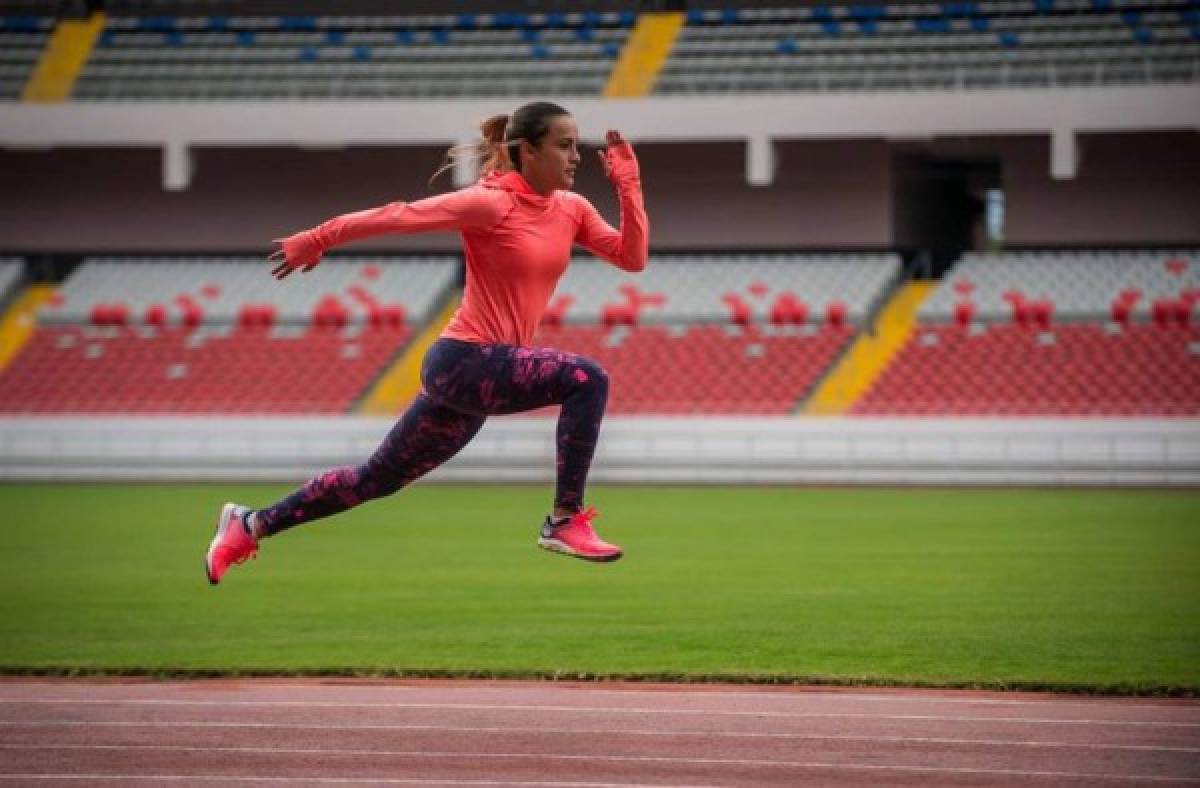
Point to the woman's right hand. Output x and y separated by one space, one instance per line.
301 250
618 160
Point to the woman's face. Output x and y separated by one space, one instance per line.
551 164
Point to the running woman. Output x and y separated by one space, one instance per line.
518 223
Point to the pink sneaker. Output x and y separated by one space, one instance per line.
231 545
577 537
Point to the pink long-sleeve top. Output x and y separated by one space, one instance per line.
517 245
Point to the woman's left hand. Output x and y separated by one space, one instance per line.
617 159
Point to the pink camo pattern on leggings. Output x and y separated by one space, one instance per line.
464 383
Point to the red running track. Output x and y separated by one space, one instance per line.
435 733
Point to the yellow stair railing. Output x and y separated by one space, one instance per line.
64 57
870 354
18 323
402 380
644 54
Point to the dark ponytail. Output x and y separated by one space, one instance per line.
499 147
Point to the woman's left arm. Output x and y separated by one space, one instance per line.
628 248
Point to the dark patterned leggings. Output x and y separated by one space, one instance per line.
464 383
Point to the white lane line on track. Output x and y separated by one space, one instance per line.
1173 704
584 710
663 759
850 694
594 731
226 778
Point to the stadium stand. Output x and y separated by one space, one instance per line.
971 44
205 336
693 334
710 334
1076 285
315 57
1065 334
22 39
948 45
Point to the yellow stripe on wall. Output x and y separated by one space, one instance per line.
644 54
18 323
870 355
65 54
401 382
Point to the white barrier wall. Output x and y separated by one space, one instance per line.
662 450
177 127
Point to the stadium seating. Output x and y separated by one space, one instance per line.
942 46
194 291
365 57
1073 370
1081 285
844 47
1080 333
761 288
220 336
226 370
716 333
684 369
22 39
692 334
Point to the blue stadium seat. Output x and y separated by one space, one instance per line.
362 54
831 28
297 23
539 51
584 34
20 23
334 37
218 24
309 54
1009 39
467 21
786 46
245 37
156 24
980 24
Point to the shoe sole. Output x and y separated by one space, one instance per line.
222 524
556 546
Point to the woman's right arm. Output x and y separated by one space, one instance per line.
471 208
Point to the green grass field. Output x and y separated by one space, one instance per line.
1090 590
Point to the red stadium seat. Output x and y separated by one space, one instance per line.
330 313
964 313
257 315
110 314
836 313
739 310
789 310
